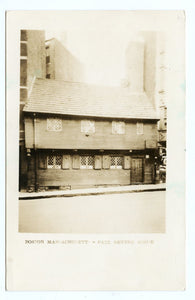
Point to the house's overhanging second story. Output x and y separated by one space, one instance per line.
64 115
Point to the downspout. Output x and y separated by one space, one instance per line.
34 146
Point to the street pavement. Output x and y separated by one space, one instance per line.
142 212
93 191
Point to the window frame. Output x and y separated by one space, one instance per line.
120 129
115 166
54 166
86 129
48 59
52 127
138 131
87 166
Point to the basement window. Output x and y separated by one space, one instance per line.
54 124
86 162
118 127
54 161
116 162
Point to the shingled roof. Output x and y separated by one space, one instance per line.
79 99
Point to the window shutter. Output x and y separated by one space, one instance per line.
76 162
106 162
97 162
126 162
42 161
66 162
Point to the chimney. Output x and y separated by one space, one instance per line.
135 65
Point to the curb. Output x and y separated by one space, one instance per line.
89 193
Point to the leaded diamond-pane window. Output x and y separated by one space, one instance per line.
87 162
54 124
118 127
87 126
54 161
116 162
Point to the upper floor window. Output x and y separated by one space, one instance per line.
140 128
23 72
23 35
87 162
23 49
87 126
54 124
116 162
47 59
54 161
118 127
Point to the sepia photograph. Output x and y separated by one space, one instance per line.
95 109
93 121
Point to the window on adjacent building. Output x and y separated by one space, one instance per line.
54 124
86 162
23 35
23 72
23 49
140 128
118 127
48 76
23 94
87 126
54 161
47 59
116 162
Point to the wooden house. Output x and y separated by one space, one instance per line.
79 135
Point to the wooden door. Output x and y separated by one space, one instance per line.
137 170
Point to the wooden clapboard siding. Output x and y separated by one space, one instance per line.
71 137
82 177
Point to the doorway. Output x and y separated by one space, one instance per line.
136 170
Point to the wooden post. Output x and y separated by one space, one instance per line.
35 160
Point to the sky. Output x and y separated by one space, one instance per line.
99 39
102 53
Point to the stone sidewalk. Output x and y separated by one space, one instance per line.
93 191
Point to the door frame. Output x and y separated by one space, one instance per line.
131 175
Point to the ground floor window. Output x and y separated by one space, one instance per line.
87 162
54 161
116 162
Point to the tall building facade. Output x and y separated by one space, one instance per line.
32 65
61 64
146 71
